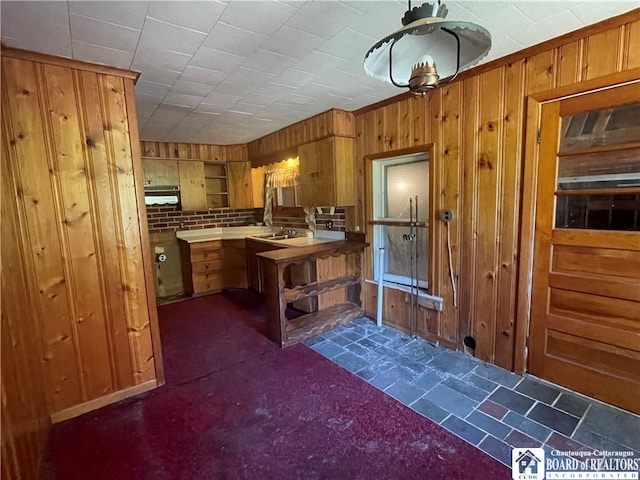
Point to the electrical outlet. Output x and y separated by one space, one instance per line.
446 215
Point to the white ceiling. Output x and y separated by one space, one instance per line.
231 71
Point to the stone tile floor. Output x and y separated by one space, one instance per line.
487 406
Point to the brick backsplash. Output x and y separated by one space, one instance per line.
167 218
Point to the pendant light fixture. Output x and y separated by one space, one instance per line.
428 47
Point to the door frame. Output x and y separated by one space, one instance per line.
529 195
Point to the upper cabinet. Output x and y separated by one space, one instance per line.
327 172
193 196
239 182
160 172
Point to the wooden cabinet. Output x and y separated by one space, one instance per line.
234 266
160 172
327 172
239 183
201 266
193 196
254 269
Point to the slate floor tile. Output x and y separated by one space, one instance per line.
419 350
464 429
384 380
365 342
564 444
465 388
453 363
404 392
572 404
378 338
366 373
595 440
520 440
428 380
341 340
451 401
614 423
430 410
351 362
482 383
511 400
493 409
488 424
497 374
328 349
314 340
554 419
497 449
538 390
531 428
357 349
350 335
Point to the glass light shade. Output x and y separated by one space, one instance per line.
424 38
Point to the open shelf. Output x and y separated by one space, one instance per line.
312 324
315 289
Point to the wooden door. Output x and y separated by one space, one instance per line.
585 314
193 196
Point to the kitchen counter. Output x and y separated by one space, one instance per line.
236 233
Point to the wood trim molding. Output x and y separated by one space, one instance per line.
622 19
100 402
147 258
67 62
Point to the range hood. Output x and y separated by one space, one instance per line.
161 195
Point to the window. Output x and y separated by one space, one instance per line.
599 170
287 197
396 184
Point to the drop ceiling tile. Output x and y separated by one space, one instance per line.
540 9
181 99
166 117
100 54
199 16
508 21
275 90
293 42
295 78
268 62
230 39
17 14
127 13
37 45
157 75
299 99
206 108
152 88
548 28
259 99
481 9
363 5
384 18
506 46
202 75
220 99
250 107
37 34
216 60
159 59
319 63
165 36
257 16
191 88
143 98
348 45
591 12
109 35
233 89
324 19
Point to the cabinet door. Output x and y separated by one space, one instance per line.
317 173
160 172
239 184
344 161
192 192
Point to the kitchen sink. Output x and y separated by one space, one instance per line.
278 236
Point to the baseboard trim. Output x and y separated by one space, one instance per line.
100 402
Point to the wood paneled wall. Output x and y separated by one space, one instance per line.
194 151
73 153
284 143
476 125
25 415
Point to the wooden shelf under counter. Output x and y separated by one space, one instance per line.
338 297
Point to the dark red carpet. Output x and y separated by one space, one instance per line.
254 411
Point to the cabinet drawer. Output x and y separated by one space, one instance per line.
206 251
205 282
210 266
